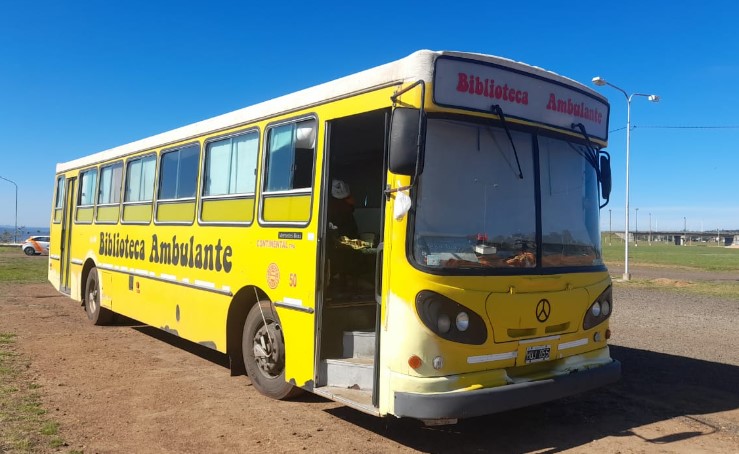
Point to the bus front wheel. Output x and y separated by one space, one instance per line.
95 313
263 347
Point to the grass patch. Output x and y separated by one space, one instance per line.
723 290
50 428
17 267
24 427
708 258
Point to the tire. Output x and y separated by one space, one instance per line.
263 348
95 313
29 251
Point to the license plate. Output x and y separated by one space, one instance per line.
538 353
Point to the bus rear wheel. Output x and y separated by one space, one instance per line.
95 313
263 347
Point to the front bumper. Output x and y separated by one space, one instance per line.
467 404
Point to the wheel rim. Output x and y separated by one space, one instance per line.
267 352
92 297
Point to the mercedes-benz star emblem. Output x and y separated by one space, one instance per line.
543 309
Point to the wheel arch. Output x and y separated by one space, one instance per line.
241 304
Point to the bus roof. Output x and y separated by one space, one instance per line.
419 65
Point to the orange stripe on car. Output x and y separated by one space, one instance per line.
36 246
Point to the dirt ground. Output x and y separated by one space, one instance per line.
129 388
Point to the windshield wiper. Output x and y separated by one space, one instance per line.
499 112
591 155
602 169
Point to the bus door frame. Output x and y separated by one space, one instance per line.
65 242
380 265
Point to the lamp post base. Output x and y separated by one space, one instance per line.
627 276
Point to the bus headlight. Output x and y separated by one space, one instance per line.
600 310
606 308
437 312
595 309
463 321
443 323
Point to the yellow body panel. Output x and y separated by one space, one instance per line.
227 210
108 214
287 208
84 214
176 212
137 213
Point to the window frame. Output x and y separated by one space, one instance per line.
263 177
236 196
78 198
120 191
61 182
178 149
80 185
157 201
125 202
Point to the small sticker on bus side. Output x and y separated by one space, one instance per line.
273 275
290 235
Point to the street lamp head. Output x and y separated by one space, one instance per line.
599 81
653 98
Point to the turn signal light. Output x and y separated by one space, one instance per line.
608 334
415 362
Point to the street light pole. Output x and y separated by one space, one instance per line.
610 227
599 81
649 238
15 228
685 230
636 228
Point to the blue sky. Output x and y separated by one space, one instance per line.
84 76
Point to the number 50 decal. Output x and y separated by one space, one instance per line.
293 280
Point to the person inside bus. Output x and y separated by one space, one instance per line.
341 225
341 210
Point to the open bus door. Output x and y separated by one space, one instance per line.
352 260
66 236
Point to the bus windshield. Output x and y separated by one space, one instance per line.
474 209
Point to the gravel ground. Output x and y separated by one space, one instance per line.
128 388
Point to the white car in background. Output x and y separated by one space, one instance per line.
36 245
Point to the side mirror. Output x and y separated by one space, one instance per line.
405 132
605 176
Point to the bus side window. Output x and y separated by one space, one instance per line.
229 180
109 193
139 189
59 199
86 196
178 181
289 168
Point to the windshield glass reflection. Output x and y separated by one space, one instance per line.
474 211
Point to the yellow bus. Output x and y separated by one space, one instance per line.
420 239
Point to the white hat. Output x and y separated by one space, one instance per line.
339 189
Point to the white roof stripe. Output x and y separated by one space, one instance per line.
418 65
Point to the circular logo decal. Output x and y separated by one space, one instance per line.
543 309
273 275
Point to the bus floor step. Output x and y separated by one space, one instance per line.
359 344
349 373
358 399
